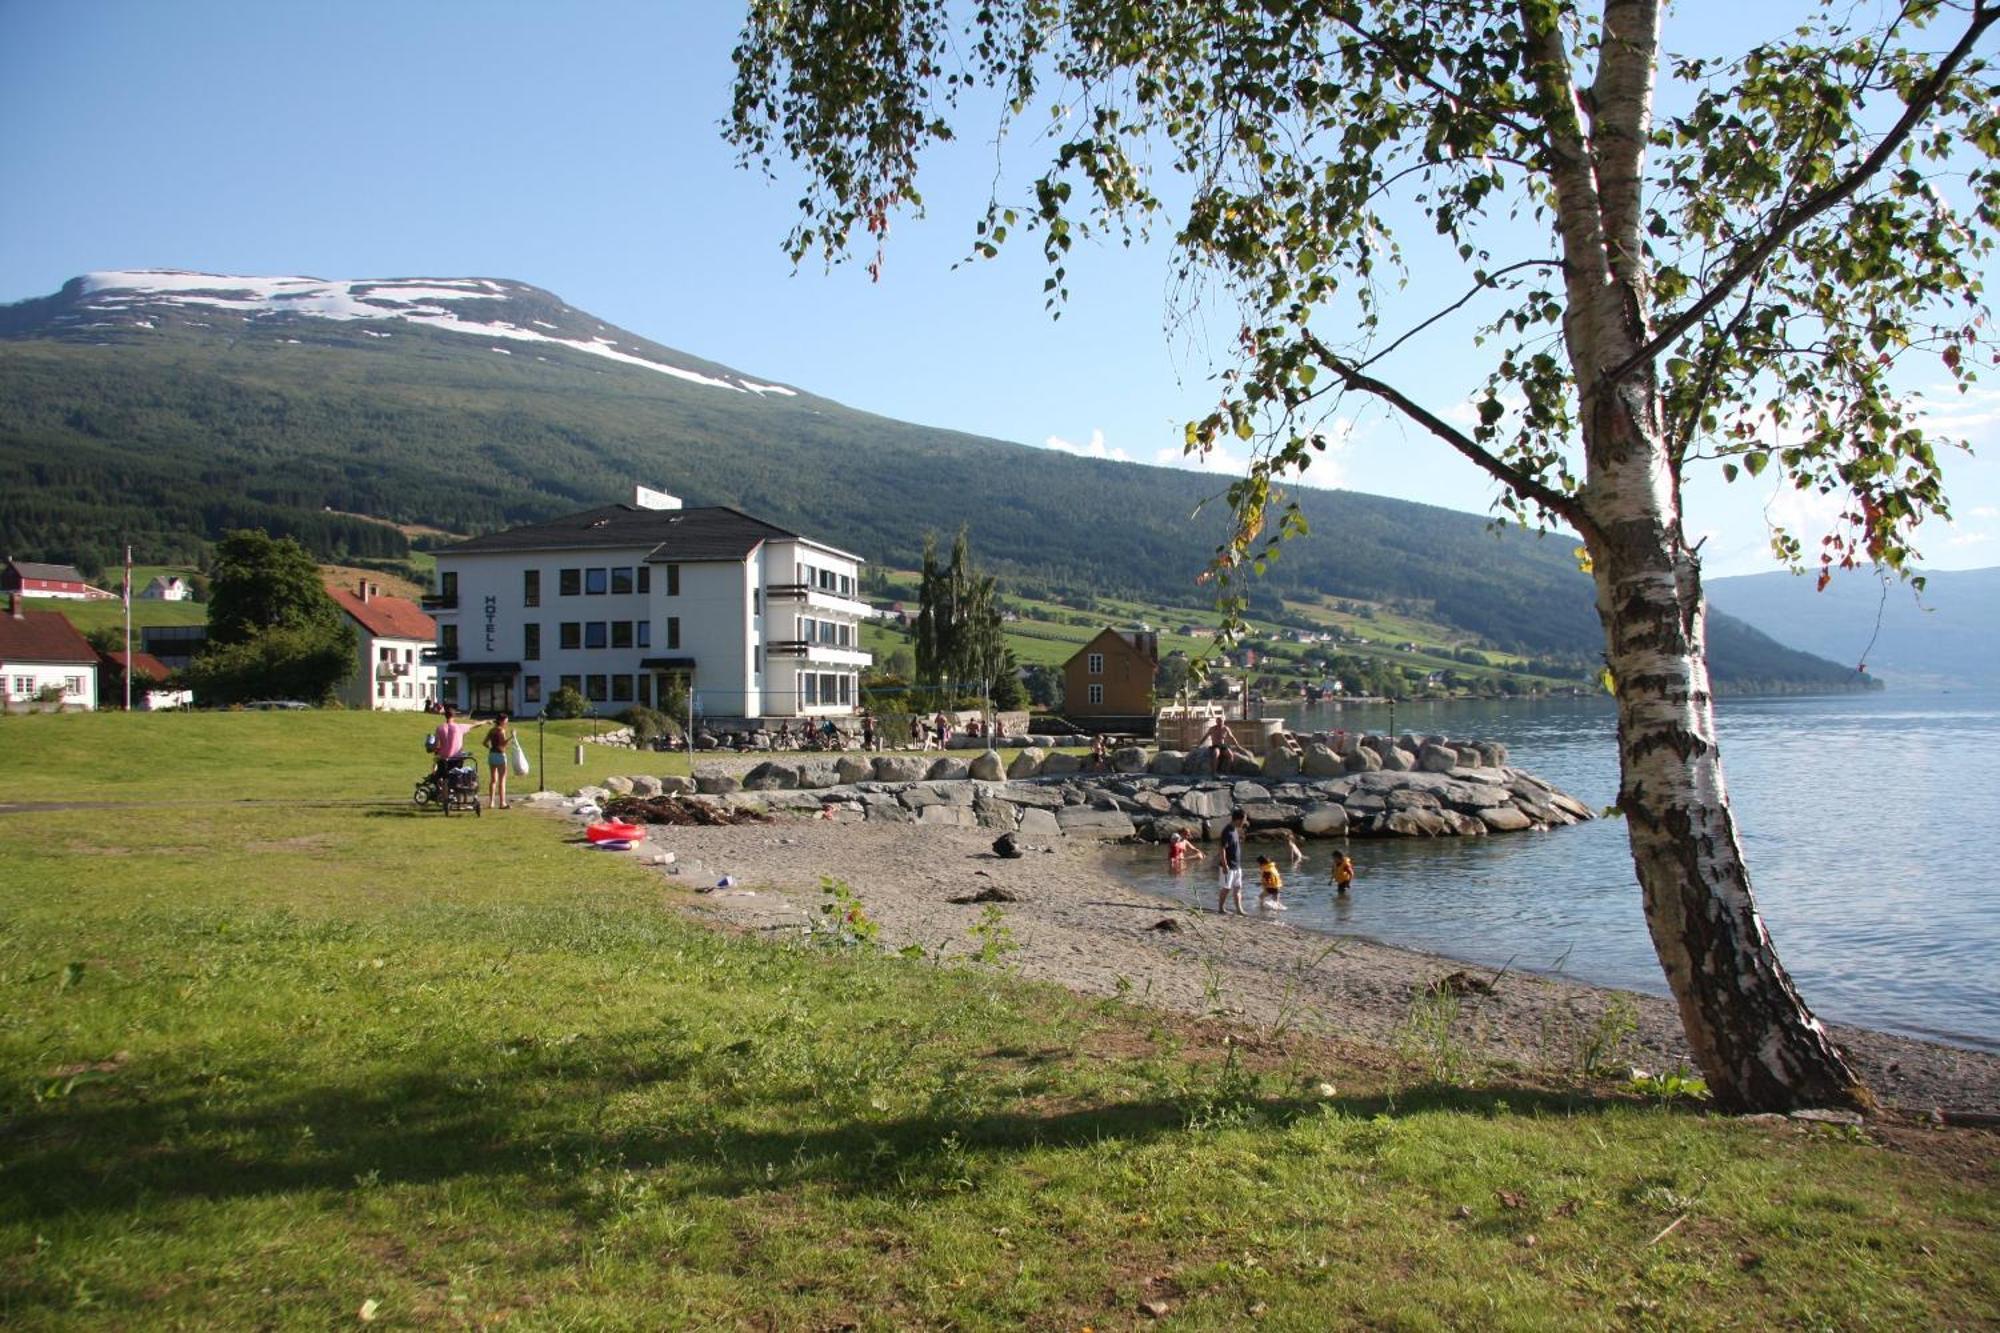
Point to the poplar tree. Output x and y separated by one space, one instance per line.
1736 282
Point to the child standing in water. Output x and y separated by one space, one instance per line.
1343 872
1272 884
1179 849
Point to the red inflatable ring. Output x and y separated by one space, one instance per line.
613 831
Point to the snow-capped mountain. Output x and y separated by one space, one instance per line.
512 317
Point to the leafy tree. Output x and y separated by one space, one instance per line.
273 632
259 583
567 702
1045 686
1739 280
957 635
1007 693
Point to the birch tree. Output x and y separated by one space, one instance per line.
1733 282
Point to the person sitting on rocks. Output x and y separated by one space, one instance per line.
1100 757
1221 742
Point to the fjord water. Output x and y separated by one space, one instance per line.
1870 823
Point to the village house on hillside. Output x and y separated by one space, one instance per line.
1112 675
41 653
622 601
396 638
166 588
31 578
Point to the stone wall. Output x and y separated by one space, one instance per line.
1378 788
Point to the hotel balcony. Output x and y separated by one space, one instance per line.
818 654
818 599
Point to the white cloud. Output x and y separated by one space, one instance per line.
1984 511
1962 539
1095 449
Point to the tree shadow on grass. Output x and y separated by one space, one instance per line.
105 1148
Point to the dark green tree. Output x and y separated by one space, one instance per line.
273 632
1737 282
957 635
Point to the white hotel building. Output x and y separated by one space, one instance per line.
616 602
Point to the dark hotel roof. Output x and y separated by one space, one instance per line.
716 533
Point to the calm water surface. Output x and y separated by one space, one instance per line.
1870 823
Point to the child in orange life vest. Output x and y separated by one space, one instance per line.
1179 849
1343 872
1273 885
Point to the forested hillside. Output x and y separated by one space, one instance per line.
166 424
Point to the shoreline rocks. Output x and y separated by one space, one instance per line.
1463 801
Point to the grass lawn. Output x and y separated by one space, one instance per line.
313 1065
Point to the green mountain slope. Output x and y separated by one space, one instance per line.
164 417
1946 636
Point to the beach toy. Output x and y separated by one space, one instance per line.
613 845
726 882
614 831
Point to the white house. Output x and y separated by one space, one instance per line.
619 602
166 588
396 639
40 651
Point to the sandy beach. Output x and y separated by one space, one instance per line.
1074 924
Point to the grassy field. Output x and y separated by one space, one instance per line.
307 1066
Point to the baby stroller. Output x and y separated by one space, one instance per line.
450 785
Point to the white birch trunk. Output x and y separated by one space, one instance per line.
1753 1038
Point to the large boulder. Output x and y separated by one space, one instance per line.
1061 765
949 816
1321 762
1437 759
1492 754
717 784
1037 794
1399 760
896 768
1505 819
947 769
1468 755
1039 824
1199 762
1153 802
1364 760
1270 814
817 774
853 768
676 785
1323 819
985 767
1167 763
1251 791
771 776
1207 802
1417 824
645 784
1084 821
1129 759
1280 763
618 786
1028 763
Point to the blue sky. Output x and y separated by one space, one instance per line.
576 147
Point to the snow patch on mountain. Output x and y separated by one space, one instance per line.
422 301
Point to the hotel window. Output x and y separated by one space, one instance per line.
572 683
1097 694
448 586
847 689
673 580
531 689
645 578
811 682
645 684
569 582
621 689
621 634
644 630
448 642
531 587
595 581
594 689
847 585
621 580
1094 664
673 631
594 634
569 635
531 642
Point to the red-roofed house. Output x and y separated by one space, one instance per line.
395 633
31 578
150 693
41 651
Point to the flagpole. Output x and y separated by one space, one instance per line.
128 629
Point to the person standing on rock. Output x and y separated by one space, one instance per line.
1229 866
